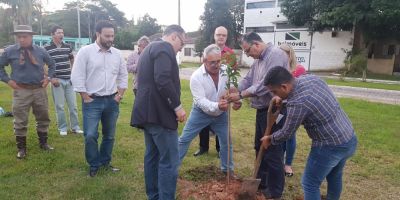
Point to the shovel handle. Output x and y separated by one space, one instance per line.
260 155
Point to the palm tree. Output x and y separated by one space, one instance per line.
22 10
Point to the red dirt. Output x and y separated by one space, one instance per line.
211 190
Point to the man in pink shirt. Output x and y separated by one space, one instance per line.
131 63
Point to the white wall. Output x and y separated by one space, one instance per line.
327 53
192 57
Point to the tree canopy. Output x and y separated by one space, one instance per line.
375 18
227 13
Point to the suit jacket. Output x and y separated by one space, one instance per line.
158 87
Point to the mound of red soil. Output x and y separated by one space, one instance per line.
211 190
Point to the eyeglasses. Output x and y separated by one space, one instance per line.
182 43
213 63
246 51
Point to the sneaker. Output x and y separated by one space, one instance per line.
63 133
77 131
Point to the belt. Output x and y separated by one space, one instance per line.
29 86
104 96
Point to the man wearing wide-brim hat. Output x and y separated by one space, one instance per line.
29 81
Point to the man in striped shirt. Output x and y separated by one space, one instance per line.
310 102
61 87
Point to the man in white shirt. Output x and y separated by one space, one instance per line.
208 87
100 76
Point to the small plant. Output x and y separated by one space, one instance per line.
355 62
229 59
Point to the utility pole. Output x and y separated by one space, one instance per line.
79 27
179 12
89 35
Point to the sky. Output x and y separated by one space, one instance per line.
165 11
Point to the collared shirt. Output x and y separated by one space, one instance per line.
99 72
62 56
253 82
205 94
26 72
131 63
131 66
314 105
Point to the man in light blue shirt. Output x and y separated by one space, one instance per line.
100 76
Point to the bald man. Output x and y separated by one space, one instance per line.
220 37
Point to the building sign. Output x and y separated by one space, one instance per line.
298 40
303 58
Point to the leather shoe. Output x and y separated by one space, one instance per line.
112 169
21 153
200 152
93 172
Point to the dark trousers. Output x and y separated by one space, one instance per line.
271 170
205 139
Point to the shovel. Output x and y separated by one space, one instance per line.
250 185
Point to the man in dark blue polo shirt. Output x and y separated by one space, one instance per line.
310 102
61 84
29 81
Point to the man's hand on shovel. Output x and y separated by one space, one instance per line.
274 109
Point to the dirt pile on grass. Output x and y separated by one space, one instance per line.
208 183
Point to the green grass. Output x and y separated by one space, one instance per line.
377 76
189 65
373 173
363 84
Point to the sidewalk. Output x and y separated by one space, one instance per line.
367 94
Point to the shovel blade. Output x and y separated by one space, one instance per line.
249 188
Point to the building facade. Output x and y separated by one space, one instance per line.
317 51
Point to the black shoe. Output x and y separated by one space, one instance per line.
111 169
93 172
200 152
268 195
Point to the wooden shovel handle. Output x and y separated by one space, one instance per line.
261 151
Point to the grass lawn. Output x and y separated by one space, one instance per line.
377 76
363 84
189 65
373 173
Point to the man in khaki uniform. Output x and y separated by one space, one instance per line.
29 81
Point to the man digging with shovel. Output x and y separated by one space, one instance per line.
310 102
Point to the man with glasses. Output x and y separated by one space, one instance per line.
266 56
207 85
131 63
220 37
157 109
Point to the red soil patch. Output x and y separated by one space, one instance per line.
211 190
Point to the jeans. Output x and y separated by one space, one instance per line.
196 122
63 93
271 170
161 162
326 162
289 147
106 110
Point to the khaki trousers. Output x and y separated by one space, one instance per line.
23 100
